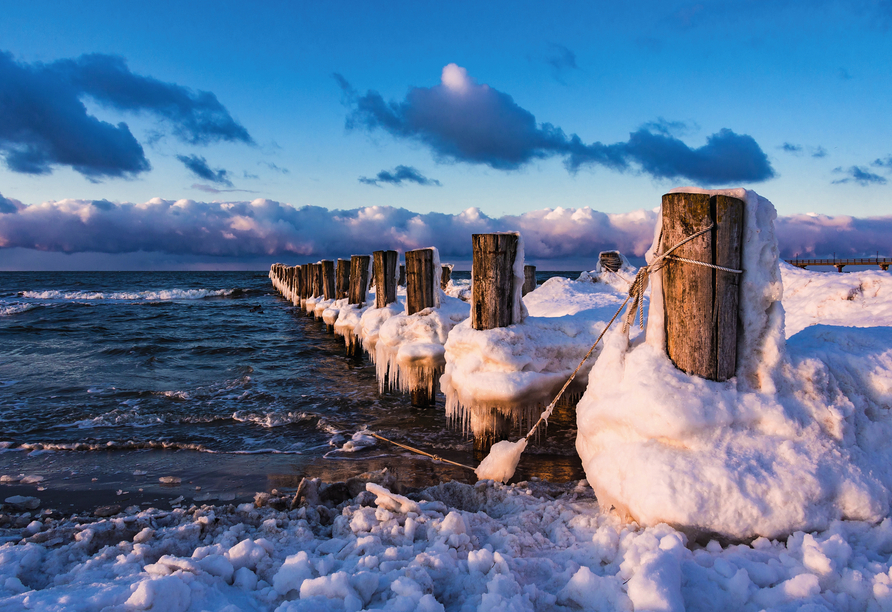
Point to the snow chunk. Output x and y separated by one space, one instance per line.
501 461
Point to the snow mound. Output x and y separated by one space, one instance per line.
794 442
856 299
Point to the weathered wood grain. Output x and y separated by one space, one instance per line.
385 277
701 303
492 287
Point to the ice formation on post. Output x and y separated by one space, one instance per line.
798 439
409 352
517 370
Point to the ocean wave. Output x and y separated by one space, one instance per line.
273 419
149 296
14 308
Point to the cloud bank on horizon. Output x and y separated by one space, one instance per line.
44 122
460 120
265 228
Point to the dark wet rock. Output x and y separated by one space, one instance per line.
104 511
307 492
334 494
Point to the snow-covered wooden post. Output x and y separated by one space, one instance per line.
402 279
421 294
529 279
445 276
701 302
492 305
385 277
610 261
342 286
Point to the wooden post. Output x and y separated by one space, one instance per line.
529 279
402 280
385 277
359 288
701 303
492 288
304 282
359 279
492 305
318 291
328 279
342 286
445 275
420 294
298 284
611 261
419 280
289 277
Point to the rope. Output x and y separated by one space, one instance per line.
703 263
421 452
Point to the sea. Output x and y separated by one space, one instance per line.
206 386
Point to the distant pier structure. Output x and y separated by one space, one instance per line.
882 262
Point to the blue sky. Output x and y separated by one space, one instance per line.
340 105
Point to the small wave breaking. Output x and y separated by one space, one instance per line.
162 295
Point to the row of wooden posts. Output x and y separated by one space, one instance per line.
492 297
700 302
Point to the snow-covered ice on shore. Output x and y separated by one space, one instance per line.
800 438
853 299
530 546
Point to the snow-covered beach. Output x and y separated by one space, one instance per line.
374 543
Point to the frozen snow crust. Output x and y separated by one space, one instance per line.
489 547
409 350
800 439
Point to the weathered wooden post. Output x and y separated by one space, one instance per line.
359 288
402 280
529 279
492 305
305 284
318 290
445 276
610 261
385 277
359 279
492 288
342 286
328 279
297 286
421 294
700 302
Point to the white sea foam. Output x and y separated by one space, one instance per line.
152 296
